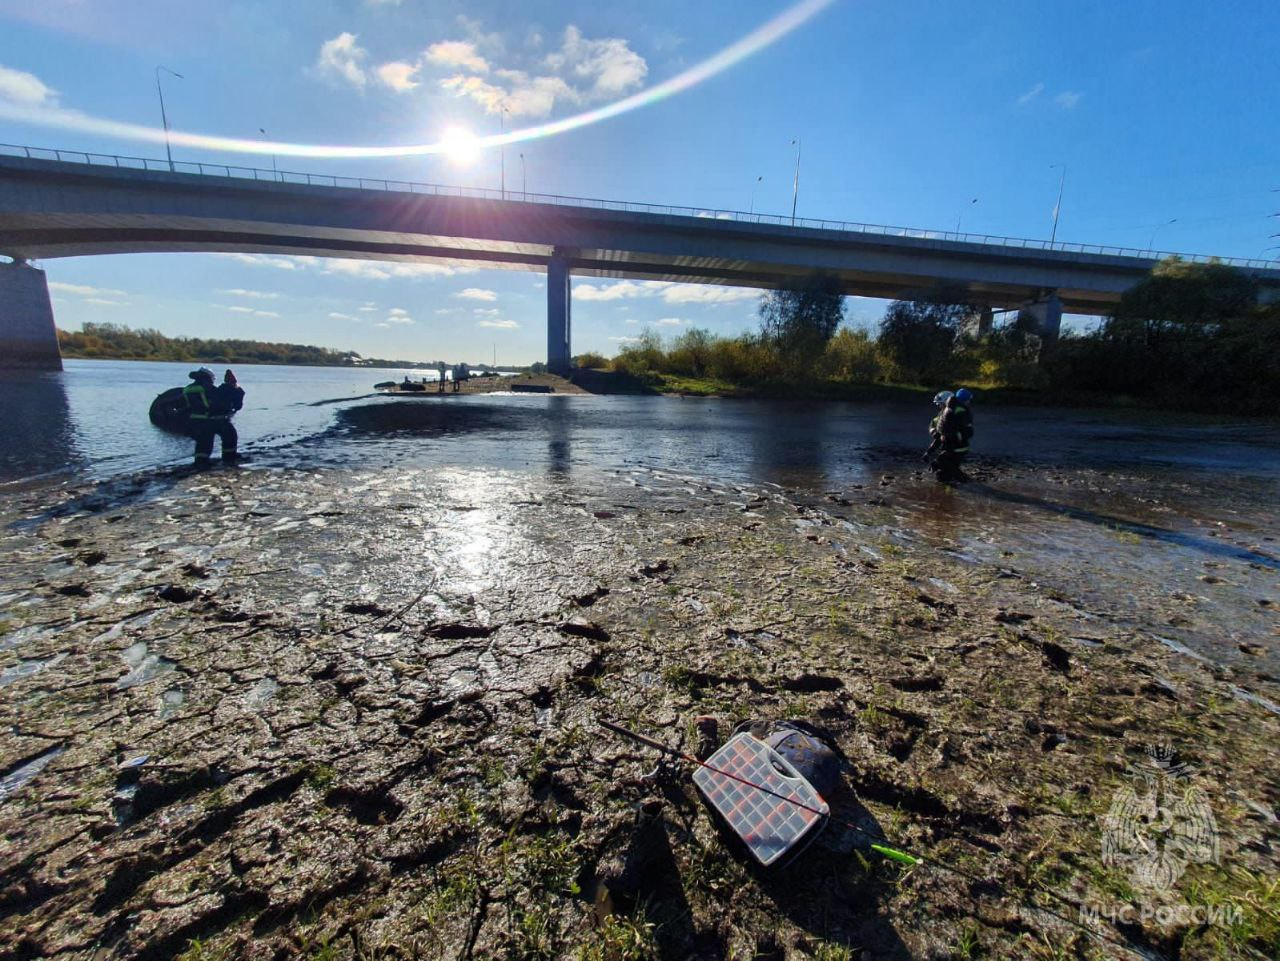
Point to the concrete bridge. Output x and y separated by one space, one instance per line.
63 204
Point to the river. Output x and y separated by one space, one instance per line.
1132 511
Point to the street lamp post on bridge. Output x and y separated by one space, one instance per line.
274 173
164 117
1057 208
795 184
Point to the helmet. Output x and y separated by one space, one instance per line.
201 374
941 397
964 395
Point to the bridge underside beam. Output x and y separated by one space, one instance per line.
28 338
64 242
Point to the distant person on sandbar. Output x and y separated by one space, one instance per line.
210 411
440 368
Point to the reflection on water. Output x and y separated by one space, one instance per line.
37 436
93 418
558 443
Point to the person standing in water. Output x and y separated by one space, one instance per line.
955 428
210 410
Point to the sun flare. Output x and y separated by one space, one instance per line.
461 146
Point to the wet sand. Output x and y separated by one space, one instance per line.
352 713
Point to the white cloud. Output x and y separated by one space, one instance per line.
1067 99
240 309
458 54
500 324
262 260
337 316
670 322
25 89
83 290
104 302
580 71
386 269
382 325
399 316
670 293
528 96
382 3
448 311
341 57
1030 95
705 294
256 294
610 66
475 293
485 311
626 340
624 290
399 76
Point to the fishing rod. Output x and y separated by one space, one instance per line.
892 853
883 849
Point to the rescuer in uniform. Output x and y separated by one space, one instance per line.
211 409
955 429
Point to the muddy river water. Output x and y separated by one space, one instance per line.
387 633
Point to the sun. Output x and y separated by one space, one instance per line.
460 146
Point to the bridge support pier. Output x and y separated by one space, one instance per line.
28 337
986 321
558 313
1048 314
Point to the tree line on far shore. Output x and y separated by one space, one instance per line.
117 342
1190 335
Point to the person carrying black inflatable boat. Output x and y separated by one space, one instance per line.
210 410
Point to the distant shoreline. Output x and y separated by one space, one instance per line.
287 363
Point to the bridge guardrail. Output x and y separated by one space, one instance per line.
234 171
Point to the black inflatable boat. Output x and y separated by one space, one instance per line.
169 412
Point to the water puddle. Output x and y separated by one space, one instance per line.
23 773
261 694
1180 648
143 666
171 702
1257 699
29 668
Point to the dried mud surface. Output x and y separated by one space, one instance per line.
278 713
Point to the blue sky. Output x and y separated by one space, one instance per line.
907 111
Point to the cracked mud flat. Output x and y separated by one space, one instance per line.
342 713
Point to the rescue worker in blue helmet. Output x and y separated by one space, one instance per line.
935 438
955 427
210 410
